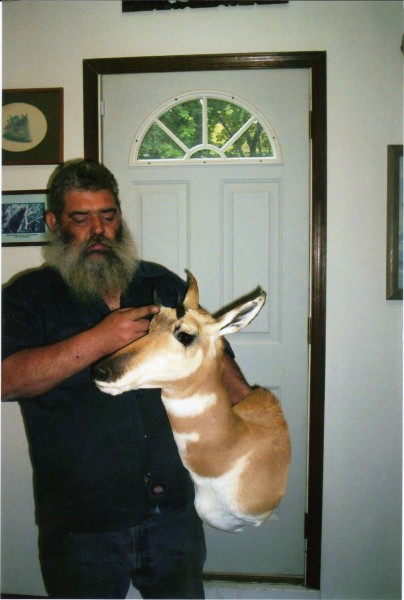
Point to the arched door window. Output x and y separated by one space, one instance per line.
205 127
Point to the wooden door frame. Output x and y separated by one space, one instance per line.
316 63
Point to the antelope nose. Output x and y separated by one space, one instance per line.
102 373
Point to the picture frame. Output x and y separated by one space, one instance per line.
32 126
142 5
394 254
23 218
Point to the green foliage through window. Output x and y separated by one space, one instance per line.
205 128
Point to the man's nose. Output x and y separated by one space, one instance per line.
97 225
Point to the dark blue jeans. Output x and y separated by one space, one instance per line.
163 558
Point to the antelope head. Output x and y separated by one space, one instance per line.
179 342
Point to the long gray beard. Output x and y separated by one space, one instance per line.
88 279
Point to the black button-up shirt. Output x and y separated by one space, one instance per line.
98 460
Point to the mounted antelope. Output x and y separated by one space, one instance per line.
238 456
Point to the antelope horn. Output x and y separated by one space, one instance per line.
192 296
156 299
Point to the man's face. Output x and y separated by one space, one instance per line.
88 217
91 246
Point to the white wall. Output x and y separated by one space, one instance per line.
44 44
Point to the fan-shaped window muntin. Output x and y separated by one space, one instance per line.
205 128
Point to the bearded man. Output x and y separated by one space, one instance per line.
114 504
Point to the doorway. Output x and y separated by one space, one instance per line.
313 65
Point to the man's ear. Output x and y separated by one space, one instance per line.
51 221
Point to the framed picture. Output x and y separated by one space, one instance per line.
394 259
32 126
138 5
23 218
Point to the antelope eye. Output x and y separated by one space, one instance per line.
184 338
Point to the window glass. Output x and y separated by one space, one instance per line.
205 127
252 143
224 120
185 121
205 153
157 145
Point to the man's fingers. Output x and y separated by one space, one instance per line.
135 314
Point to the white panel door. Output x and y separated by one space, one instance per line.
235 227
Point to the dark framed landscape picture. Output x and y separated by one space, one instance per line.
23 218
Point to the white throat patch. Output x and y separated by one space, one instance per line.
182 440
189 407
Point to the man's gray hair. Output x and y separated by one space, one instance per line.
81 175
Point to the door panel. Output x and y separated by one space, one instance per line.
234 227
159 218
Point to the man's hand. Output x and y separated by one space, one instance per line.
34 371
123 326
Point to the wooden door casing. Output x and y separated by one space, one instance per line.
316 63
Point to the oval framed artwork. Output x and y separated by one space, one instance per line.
32 126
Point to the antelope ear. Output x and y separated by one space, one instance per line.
156 298
238 318
191 299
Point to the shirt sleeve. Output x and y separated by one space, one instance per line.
21 319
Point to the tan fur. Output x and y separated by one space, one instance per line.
214 435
